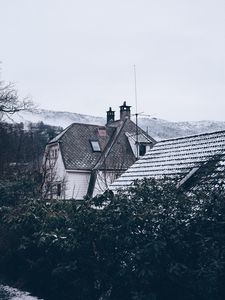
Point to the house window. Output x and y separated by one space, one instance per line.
59 189
53 153
142 149
95 146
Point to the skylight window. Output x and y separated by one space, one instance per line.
95 146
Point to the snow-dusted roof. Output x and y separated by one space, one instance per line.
175 158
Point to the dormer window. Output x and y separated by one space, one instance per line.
142 149
95 146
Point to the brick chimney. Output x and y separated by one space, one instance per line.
110 115
124 111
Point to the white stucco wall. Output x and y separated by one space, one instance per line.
53 170
104 179
76 184
59 167
55 162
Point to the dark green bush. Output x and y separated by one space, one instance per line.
152 242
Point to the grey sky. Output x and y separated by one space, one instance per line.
78 56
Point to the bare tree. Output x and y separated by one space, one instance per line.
10 102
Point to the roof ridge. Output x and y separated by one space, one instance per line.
192 136
77 123
58 136
109 145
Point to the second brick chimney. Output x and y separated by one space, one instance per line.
124 111
110 115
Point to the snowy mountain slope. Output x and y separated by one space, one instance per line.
157 128
162 129
56 118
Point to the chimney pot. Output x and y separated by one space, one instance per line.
124 111
110 115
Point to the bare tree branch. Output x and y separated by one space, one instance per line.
10 102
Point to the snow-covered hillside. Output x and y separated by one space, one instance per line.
56 118
157 128
162 129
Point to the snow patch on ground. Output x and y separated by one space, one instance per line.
9 293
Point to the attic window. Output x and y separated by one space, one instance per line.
59 189
142 149
53 153
95 146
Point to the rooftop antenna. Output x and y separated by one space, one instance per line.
136 106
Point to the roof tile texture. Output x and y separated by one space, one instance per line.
175 157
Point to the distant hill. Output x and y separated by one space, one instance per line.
157 128
162 129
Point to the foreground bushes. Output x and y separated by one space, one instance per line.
151 243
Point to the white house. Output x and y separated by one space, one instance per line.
84 159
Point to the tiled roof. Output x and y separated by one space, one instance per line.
177 158
116 152
76 148
57 138
121 155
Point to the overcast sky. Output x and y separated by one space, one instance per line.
78 56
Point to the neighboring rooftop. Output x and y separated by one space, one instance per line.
178 158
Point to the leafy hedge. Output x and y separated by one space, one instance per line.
152 242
